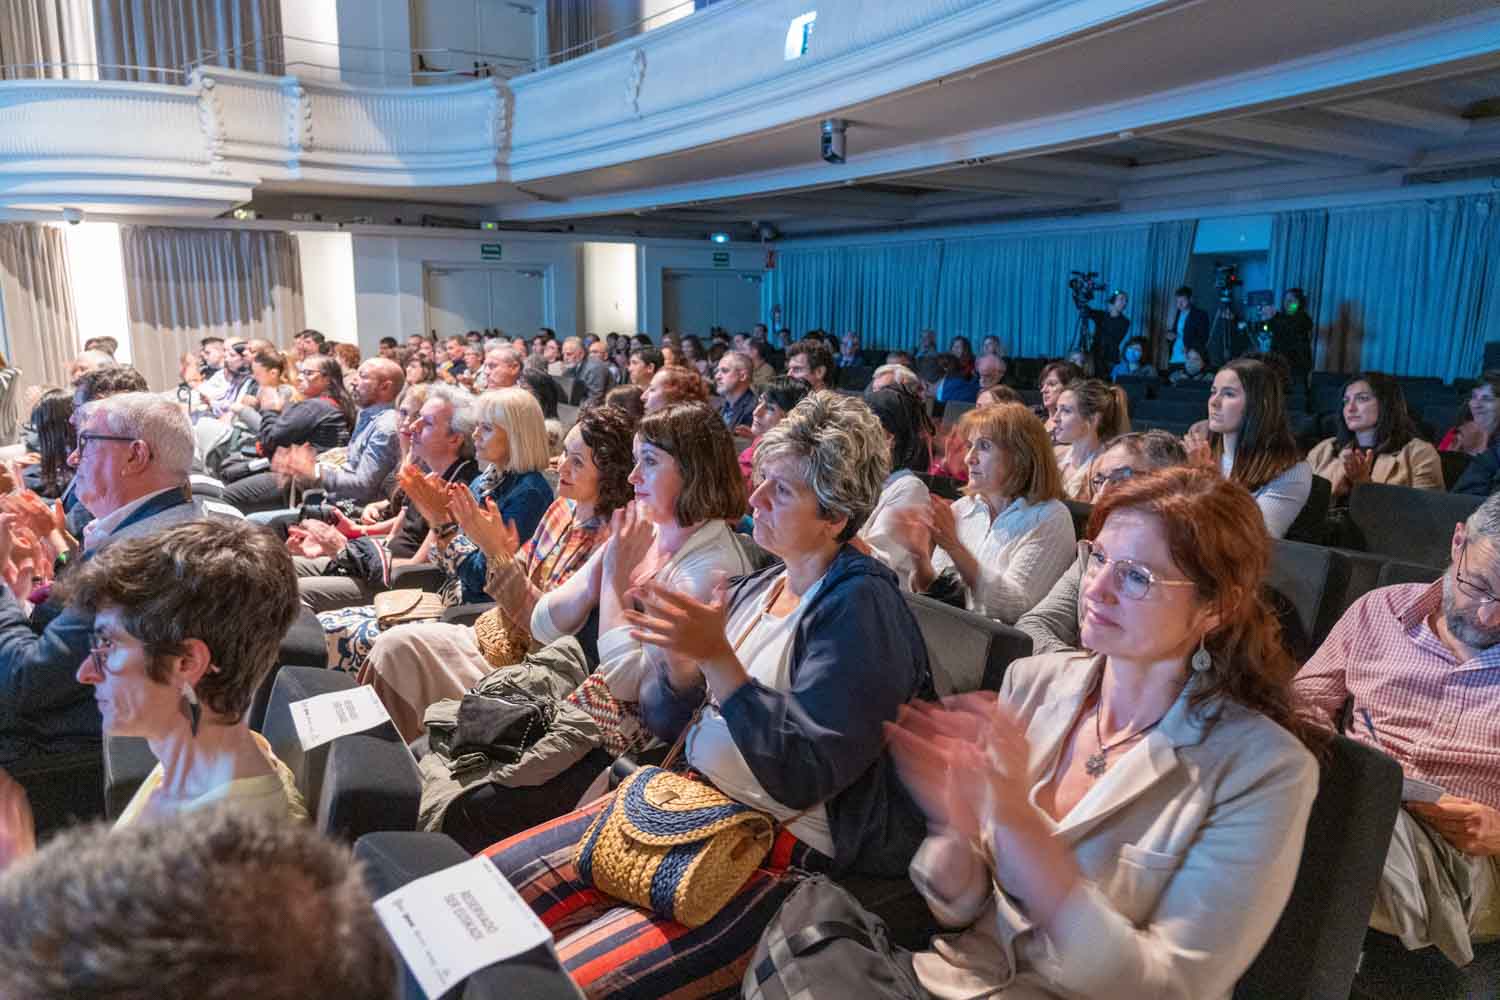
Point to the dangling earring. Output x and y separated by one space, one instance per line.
1202 661
194 713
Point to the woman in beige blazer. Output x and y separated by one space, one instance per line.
1127 822
1376 442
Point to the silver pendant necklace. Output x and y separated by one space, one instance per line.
1098 761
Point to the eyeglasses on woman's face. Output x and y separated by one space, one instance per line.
1133 579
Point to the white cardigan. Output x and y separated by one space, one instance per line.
1021 552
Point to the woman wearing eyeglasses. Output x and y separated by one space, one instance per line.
1126 821
325 416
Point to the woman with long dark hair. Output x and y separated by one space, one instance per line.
908 430
1251 442
52 418
1376 441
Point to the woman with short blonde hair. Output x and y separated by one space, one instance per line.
1002 546
517 412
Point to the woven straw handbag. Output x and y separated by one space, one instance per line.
678 847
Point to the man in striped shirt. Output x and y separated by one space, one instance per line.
1421 663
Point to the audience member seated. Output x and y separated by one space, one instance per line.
1251 443
216 396
52 418
1129 821
415 665
989 370
1376 441
372 452
273 390
1477 419
592 372
193 908
778 689
908 431
991 345
548 395
761 370
963 353
732 380
321 419
811 361
850 353
953 386
1089 415
1420 663
776 400
510 441
1133 362
420 370
997 394
1004 545
108 380
892 373
1054 378
1194 370
176 659
673 385
628 398
502 366
131 468
1054 623
339 562
645 362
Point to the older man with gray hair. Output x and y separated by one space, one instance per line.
132 461
1421 663
887 375
594 374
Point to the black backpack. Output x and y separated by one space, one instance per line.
823 943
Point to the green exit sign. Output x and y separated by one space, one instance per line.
489 251
721 258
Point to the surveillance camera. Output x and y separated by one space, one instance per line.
73 216
833 139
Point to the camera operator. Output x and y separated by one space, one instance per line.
1189 330
1111 329
1291 331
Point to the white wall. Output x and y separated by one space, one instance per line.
607 288
513 30
328 294
311 47
656 258
382 31
389 269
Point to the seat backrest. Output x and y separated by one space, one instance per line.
1310 524
967 652
1081 513
1454 463
1393 573
1299 573
1314 947
369 784
310 767
1351 575
1408 524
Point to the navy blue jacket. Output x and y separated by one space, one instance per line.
523 499
857 657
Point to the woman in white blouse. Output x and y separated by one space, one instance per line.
1005 544
907 431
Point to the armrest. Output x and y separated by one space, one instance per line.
393 859
428 578
466 614
127 761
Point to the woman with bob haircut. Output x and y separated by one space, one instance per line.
779 685
1004 545
1251 442
510 443
1126 821
674 384
1376 441
416 665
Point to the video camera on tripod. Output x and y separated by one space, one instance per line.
1084 285
1226 280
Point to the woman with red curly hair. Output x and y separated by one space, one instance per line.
1125 821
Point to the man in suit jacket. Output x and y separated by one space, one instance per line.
594 374
133 457
1188 332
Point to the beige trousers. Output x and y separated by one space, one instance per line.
1431 893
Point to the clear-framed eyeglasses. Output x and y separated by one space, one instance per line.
1133 579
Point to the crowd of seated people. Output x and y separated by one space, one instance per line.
714 557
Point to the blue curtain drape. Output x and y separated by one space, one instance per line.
887 293
1299 244
1170 250
1402 287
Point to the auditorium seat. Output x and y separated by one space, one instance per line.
1299 573
1388 971
1411 525
428 578
967 652
855 377
127 761
466 614
1081 513
1315 947
63 788
392 859
1454 464
952 412
1311 523
355 784
303 644
1351 575
1393 573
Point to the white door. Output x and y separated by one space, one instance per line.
460 299
696 301
518 301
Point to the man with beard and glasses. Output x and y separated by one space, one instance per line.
1421 664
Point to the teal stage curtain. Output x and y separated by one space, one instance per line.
1169 252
